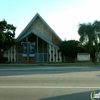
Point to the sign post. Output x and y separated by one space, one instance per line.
83 57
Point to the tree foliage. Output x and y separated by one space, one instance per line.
7 35
90 37
70 48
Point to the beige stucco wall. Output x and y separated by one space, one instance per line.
41 29
54 55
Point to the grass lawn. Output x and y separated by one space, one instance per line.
78 64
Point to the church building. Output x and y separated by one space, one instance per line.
37 43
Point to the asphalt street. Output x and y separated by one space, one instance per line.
48 83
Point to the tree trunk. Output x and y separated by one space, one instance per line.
1 55
96 56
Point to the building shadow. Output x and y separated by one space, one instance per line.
5 71
74 96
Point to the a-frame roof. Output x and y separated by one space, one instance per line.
46 40
29 24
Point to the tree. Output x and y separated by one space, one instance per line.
7 36
90 37
96 39
71 48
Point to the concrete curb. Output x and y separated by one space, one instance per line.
60 64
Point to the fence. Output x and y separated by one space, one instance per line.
39 57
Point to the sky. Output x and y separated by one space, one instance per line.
63 16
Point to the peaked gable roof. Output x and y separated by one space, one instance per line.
40 36
33 19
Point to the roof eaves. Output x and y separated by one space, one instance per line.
27 26
24 36
49 27
46 40
37 15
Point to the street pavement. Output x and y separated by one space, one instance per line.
48 83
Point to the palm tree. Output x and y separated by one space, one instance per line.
86 33
96 39
89 36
